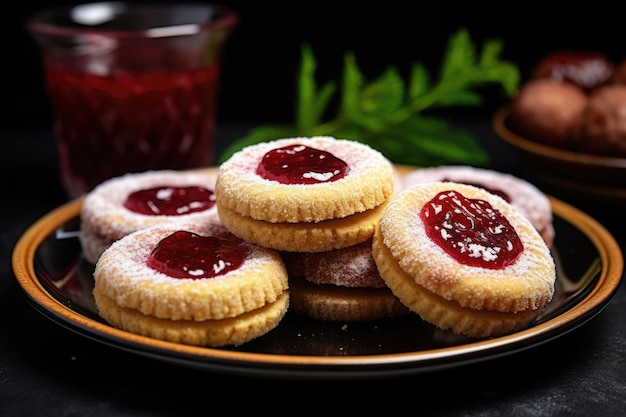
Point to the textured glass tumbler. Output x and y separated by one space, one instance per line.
133 87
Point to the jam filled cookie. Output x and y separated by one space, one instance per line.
304 194
464 259
522 195
131 202
340 285
193 284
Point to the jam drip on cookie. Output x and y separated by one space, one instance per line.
170 201
301 164
471 231
188 255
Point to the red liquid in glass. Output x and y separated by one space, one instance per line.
131 122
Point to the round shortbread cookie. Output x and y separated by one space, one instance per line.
521 194
523 287
369 183
215 333
304 237
329 302
104 219
446 314
122 274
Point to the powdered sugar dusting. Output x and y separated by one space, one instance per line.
123 275
527 283
368 183
104 217
132 251
359 156
348 267
524 196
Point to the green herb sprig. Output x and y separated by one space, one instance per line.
388 113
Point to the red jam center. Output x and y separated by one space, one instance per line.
300 164
471 231
188 255
170 201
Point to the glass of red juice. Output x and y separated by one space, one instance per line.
132 86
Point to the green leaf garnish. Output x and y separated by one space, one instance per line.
388 113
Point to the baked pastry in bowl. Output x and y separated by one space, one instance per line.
581 178
567 126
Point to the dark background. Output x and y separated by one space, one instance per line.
262 55
47 370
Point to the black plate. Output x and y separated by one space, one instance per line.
58 282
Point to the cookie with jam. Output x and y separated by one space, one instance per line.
134 201
464 259
191 283
304 194
521 194
340 285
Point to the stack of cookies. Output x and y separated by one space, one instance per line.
134 201
191 283
464 259
318 201
326 228
305 206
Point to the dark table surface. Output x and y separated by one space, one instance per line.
46 369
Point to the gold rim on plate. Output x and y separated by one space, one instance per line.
23 259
